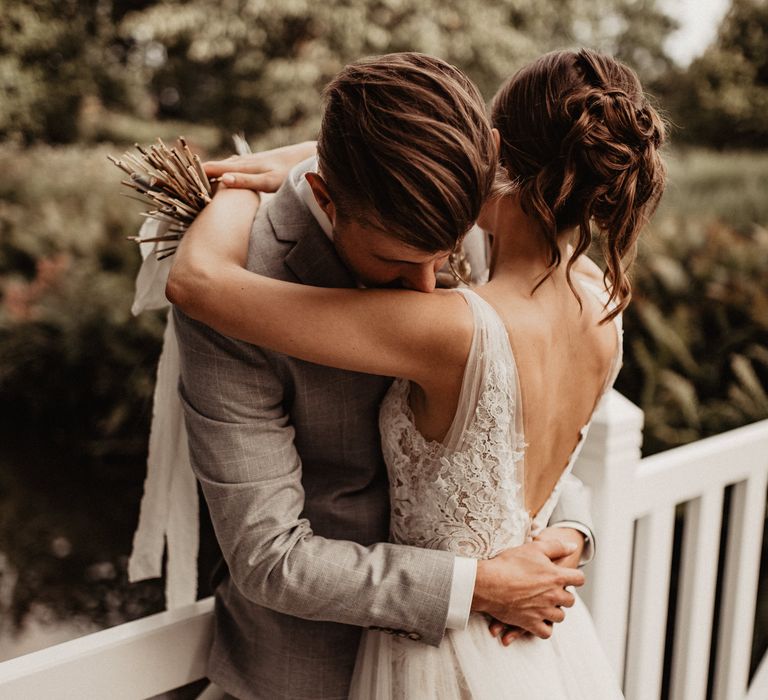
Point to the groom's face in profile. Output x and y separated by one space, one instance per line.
381 260
377 258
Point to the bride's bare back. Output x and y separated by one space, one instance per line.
564 357
563 360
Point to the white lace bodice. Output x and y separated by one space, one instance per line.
465 494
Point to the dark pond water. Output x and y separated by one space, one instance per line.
65 535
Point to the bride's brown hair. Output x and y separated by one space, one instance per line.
580 145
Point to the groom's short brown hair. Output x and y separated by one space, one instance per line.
406 147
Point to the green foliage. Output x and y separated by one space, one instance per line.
722 99
729 187
76 376
65 323
639 41
52 55
257 65
696 352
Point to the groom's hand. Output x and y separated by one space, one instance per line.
524 588
262 172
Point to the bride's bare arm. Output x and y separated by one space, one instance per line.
422 337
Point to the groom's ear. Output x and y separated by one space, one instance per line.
496 139
322 195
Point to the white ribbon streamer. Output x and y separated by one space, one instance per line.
169 506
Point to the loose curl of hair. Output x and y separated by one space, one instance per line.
580 146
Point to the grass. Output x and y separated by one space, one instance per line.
731 187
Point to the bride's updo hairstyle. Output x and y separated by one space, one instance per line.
580 148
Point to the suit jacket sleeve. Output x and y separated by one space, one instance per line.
242 451
573 503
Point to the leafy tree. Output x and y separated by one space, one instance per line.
256 65
52 56
722 100
642 27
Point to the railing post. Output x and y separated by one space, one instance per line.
740 585
607 466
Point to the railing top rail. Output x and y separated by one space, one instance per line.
754 433
134 660
684 473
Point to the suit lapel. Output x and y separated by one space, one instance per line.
313 259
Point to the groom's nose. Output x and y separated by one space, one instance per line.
420 278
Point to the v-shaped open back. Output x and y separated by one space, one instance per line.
465 493
540 515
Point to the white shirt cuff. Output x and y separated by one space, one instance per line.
588 553
462 589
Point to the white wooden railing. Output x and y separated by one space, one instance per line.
633 503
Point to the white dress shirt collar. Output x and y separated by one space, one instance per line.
304 191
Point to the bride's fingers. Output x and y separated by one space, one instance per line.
564 599
246 164
496 628
555 549
511 635
266 182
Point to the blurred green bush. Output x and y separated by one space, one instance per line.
76 380
721 99
696 340
72 359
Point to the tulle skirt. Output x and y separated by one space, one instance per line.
470 664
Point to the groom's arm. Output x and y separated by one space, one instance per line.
242 451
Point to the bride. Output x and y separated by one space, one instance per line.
498 385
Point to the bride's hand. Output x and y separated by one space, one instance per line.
215 241
565 535
264 171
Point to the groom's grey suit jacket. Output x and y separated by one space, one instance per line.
288 456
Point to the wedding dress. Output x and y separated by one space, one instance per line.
465 495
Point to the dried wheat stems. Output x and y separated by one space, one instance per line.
170 180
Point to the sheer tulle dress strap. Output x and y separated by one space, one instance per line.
490 367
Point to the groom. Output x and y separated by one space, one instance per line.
288 453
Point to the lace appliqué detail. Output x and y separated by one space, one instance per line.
467 501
